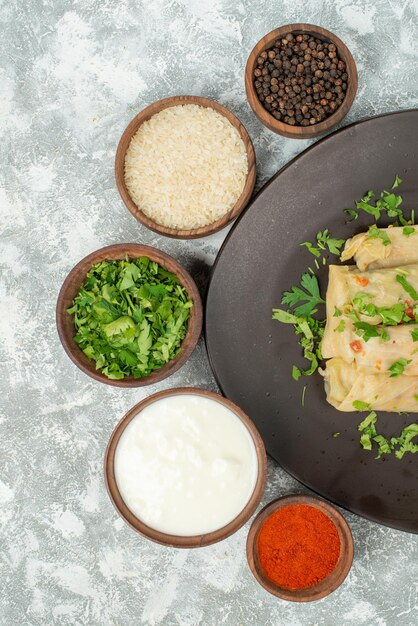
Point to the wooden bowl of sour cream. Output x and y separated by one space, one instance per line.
185 467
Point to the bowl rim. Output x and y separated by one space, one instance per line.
325 586
72 284
301 132
179 541
123 144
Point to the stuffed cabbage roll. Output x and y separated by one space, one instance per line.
385 247
346 382
357 300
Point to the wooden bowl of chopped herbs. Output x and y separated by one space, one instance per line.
129 315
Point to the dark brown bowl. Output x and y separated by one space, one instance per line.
300 132
176 541
125 140
333 580
71 287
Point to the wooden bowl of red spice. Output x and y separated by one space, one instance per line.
300 548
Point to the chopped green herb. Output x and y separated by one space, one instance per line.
284 316
388 202
296 373
311 248
308 293
359 405
414 334
352 215
398 367
392 316
368 429
384 446
404 441
407 286
408 230
365 330
303 395
396 182
310 328
335 435
324 239
341 327
130 317
400 445
337 312
316 264
384 335
376 233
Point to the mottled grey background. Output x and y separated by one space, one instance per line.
72 75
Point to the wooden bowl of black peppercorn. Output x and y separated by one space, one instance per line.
301 80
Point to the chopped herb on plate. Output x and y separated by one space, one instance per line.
307 293
398 367
375 233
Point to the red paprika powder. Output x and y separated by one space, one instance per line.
298 546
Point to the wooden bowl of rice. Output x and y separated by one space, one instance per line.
185 167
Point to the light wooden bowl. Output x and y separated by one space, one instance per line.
333 580
71 287
300 132
176 541
125 140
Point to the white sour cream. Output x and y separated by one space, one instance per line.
186 465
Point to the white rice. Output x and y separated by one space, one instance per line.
186 166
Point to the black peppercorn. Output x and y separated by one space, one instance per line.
301 79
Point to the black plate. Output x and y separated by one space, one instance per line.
251 355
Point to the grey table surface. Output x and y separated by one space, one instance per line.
72 75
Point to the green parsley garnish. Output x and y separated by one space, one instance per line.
398 180
341 327
391 316
365 330
408 230
296 373
359 405
324 241
388 202
352 215
404 441
130 317
376 233
368 429
384 335
308 292
394 315
369 435
414 334
337 312
407 286
311 331
311 248
335 435
398 367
